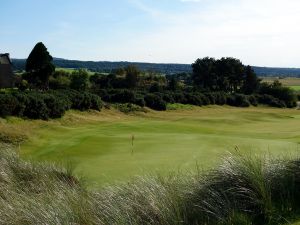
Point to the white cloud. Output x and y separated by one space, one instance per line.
260 32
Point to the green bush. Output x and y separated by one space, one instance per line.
45 105
123 96
193 99
56 106
284 94
238 100
270 101
85 101
155 102
219 98
8 104
36 108
252 99
140 101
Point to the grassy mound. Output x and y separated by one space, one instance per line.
242 190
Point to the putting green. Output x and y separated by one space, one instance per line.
101 148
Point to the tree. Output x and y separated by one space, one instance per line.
119 71
155 87
132 73
204 73
173 84
230 74
39 66
79 80
251 82
225 74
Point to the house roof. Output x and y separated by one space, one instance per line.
5 59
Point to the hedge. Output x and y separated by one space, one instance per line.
45 105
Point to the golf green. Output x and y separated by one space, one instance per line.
109 148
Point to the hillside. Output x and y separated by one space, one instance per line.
105 66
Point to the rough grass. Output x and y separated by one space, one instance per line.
129 108
243 190
176 106
99 145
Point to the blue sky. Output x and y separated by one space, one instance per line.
259 32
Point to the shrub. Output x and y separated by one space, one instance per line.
45 105
79 80
85 101
284 94
96 102
179 97
211 98
168 97
22 103
219 98
205 99
56 106
60 82
155 102
252 99
8 104
238 100
36 107
193 99
140 101
129 107
270 101
155 87
123 96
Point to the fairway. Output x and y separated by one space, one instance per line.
99 146
296 88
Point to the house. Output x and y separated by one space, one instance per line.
6 72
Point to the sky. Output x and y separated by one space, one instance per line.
259 32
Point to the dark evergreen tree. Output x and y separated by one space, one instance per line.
39 66
251 82
132 73
225 74
204 73
230 74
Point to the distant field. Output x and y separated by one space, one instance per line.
99 145
289 81
71 70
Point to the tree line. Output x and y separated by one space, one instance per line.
212 81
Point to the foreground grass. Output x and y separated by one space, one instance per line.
99 145
243 190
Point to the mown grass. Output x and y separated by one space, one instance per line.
242 190
70 70
99 145
296 88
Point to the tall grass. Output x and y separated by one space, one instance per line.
241 191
